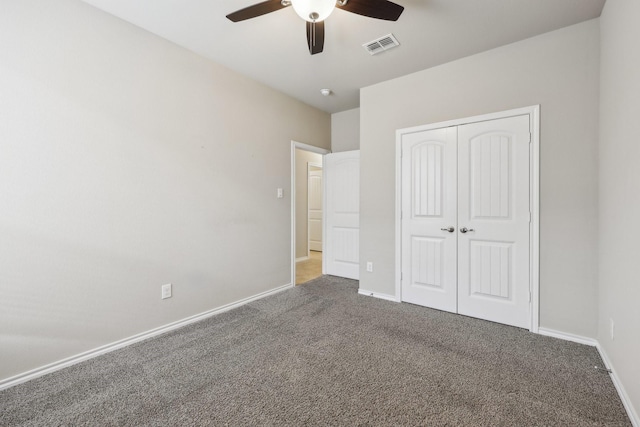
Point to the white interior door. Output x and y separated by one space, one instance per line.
493 204
429 215
315 207
473 179
342 211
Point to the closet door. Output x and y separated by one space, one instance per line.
429 162
494 209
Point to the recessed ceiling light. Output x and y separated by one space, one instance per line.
325 92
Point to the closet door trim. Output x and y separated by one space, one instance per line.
534 159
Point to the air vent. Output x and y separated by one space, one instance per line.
380 45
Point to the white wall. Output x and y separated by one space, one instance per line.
345 130
619 197
559 71
303 158
127 162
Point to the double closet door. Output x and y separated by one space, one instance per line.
466 219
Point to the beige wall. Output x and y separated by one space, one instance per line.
126 163
559 71
303 158
345 130
619 200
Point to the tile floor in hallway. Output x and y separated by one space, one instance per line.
310 268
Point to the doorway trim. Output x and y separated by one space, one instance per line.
305 147
534 194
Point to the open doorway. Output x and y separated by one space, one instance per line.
310 266
307 216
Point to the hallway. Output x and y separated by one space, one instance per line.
310 268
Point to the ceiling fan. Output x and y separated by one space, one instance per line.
316 11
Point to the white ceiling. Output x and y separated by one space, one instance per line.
273 49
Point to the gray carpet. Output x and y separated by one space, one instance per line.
320 354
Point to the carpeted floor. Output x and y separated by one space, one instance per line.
319 354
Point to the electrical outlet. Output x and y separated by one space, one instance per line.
370 267
613 328
166 291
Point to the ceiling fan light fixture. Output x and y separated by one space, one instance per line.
313 10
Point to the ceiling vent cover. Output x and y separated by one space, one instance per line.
380 45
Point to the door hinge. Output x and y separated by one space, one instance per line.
530 216
530 138
529 296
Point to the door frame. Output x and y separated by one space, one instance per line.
305 147
534 194
309 166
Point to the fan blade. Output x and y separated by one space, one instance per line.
379 9
256 10
315 37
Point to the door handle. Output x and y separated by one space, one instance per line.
465 229
449 229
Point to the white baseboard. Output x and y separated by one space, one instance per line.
377 295
626 401
302 258
60 364
568 337
624 397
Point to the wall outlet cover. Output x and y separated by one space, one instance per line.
613 328
166 291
